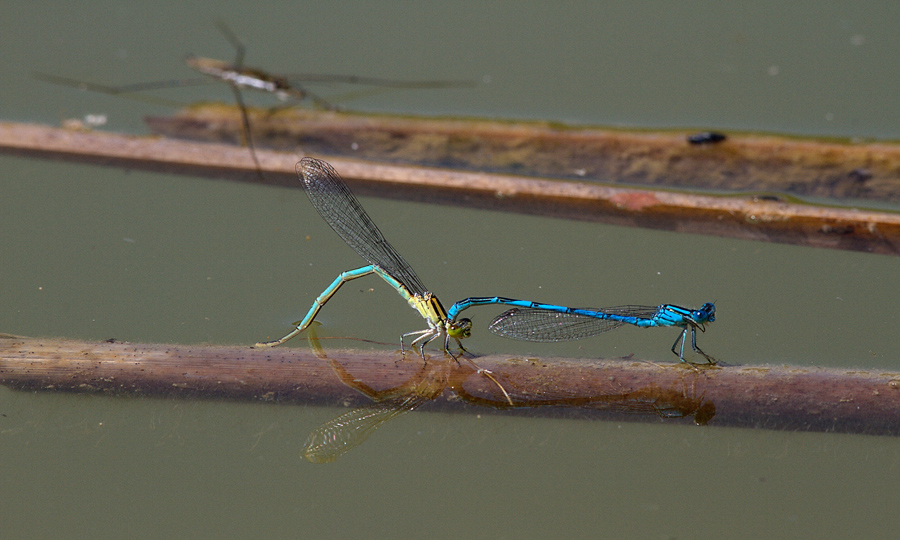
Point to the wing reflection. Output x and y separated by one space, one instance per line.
520 389
680 400
337 437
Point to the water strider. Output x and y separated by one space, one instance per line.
287 89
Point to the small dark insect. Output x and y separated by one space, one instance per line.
706 137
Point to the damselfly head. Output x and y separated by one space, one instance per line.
460 329
706 313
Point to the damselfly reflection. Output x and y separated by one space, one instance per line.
337 437
673 396
668 397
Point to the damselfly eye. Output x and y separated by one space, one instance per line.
460 329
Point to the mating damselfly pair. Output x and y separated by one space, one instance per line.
526 320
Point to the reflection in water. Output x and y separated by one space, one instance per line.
677 401
340 435
337 437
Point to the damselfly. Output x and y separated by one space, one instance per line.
533 321
342 211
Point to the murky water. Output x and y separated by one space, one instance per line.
95 253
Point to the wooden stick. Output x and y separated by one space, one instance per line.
741 162
734 217
770 397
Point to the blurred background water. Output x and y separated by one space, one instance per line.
96 253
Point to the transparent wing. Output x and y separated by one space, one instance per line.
529 324
337 206
540 325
